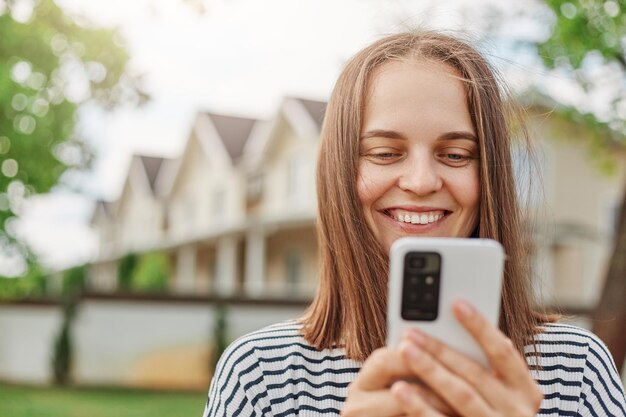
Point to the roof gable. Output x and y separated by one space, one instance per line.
316 109
304 116
152 166
233 131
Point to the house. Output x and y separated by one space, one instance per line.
130 224
236 211
578 218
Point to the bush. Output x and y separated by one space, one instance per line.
125 270
151 273
74 280
62 353
220 334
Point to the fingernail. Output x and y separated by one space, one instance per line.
465 309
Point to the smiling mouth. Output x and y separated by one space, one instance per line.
426 217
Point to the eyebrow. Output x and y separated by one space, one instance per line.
392 134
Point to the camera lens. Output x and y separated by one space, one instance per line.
417 262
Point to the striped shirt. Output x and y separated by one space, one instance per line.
275 372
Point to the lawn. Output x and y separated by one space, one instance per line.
19 401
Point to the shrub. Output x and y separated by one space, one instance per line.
151 273
125 270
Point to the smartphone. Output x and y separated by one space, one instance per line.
426 276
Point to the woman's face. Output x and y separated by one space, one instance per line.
418 165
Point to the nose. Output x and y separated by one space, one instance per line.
420 175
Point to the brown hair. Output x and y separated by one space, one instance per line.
349 309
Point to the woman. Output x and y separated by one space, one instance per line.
416 141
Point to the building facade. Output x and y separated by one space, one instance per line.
235 213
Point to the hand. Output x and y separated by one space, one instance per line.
369 394
466 386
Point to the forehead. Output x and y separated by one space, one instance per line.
413 94
408 70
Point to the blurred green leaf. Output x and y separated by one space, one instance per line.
50 65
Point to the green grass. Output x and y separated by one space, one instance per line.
20 401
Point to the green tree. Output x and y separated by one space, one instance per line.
588 35
50 65
32 284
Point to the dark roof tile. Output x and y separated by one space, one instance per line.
234 132
151 165
316 110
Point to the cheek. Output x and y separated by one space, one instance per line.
370 185
469 193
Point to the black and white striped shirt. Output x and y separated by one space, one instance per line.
275 372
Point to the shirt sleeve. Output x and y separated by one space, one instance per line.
237 377
602 391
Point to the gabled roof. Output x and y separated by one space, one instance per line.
152 165
234 132
304 116
107 209
221 138
316 109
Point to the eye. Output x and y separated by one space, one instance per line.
456 157
382 156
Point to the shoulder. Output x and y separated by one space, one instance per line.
576 371
243 353
572 342
238 373
275 369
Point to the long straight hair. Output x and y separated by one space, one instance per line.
349 309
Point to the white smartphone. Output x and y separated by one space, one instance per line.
427 275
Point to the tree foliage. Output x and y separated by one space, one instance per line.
589 35
33 284
50 65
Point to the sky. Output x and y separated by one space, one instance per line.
237 57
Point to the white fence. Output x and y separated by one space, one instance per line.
127 341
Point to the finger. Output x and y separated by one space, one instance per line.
381 403
412 402
480 378
383 367
454 390
502 354
431 398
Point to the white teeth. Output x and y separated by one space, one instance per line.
423 218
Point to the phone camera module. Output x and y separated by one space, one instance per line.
420 290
